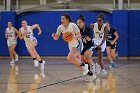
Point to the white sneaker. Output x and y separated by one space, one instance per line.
85 69
94 76
104 72
91 78
42 65
36 63
97 68
12 62
16 57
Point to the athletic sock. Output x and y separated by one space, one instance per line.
88 66
34 58
40 61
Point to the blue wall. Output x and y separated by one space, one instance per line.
49 21
4 18
134 33
120 22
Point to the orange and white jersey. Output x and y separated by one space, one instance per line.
72 27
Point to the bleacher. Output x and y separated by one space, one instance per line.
104 4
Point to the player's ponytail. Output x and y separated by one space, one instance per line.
101 15
81 17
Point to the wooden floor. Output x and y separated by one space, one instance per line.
60 76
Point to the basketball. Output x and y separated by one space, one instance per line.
67 36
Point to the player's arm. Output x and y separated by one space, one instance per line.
77 32
57 34
16 31
20 35
38 27
105 36
116 37
78 35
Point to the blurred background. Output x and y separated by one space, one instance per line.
124 15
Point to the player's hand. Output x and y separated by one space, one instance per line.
99 47
88 38
39 33
53 35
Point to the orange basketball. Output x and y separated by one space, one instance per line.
67 36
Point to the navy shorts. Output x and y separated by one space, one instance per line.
108 44
85 48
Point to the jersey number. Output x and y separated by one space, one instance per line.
28 34
100 35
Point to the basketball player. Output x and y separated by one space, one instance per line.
75 46
26 33
11 36
87 39
112 37
99 29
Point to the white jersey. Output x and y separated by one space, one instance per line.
30 37
98 34
72 27
11 34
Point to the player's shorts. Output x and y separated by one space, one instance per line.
34 40
78 45
87 47
108 44
9 43
103 47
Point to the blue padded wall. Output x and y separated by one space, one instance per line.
134 33
120 22
5 17
126 22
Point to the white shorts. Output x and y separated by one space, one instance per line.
78 45
103 47
9 43
28 43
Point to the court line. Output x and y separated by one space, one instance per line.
62 81
53 84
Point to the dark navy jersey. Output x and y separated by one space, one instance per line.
87 32
110 34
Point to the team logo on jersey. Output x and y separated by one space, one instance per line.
100 34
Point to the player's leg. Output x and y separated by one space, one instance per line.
13 46
11 55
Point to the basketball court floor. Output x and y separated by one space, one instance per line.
60 76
